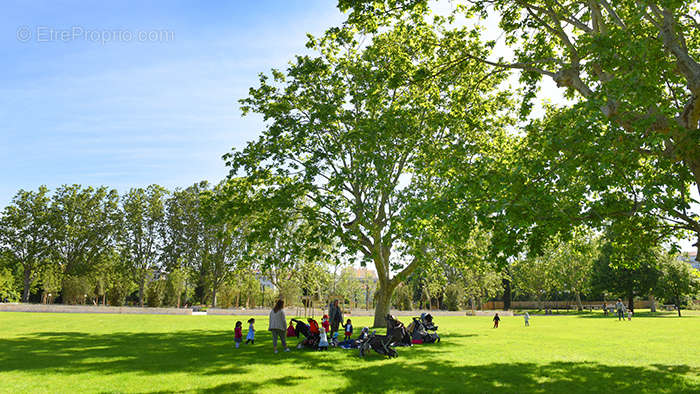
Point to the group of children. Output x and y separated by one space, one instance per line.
313 325
325 329
497 319
238 333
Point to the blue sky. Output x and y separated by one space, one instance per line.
131 112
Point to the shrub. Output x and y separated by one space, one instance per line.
154 293
454 294
8 293
174 288
225 296
403 298
75 289
116 294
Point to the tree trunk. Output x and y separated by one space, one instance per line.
27 284
213 297
653 303
579 305
141 288
630 303
506 294
178 299
384 293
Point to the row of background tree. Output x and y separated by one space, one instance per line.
150 246
84 245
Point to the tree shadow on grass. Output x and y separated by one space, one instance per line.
556 377
418 369
198 351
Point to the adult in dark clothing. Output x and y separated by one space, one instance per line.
335 315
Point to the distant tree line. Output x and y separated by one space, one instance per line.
156 247
149 246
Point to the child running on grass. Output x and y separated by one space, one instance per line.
250 338
348 329
238 334
496 319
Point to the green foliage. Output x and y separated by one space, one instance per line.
7 286
679 281
629 142
175 287
139 238
117 292
403 298
76 289
155 293
24 235
454 297
627 267
357 132
83 221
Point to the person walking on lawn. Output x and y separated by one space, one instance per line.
278 325
496 319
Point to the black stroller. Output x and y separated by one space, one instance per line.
310 339
420 327
379 343
397 331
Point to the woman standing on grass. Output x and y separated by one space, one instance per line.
620 310
278 323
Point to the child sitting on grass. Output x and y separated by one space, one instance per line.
238 334
250 338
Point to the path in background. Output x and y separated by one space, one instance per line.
293 311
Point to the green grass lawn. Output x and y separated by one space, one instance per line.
153 353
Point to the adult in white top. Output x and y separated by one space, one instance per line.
278 325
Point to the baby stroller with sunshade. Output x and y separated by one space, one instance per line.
379 343
419 328
310 338
397 332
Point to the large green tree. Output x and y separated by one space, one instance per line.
140 236
627 265
83 222
571 262
633 62
24 234
349 129
678 281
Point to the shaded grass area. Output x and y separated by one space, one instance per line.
135 353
